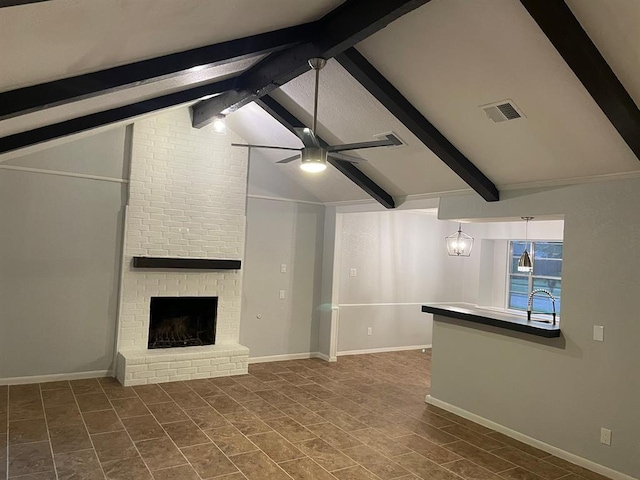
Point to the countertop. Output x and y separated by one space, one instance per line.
472 313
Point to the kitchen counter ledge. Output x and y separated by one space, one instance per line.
471 313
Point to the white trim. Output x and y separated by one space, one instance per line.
605 177
289 356
570 457
64 174
55 377
280 199
324 357
383 350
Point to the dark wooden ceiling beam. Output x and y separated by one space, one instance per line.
46 95
99 119
345 26
371 79
15 3
353 173
576 48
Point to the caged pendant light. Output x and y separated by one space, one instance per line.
459 244
524 263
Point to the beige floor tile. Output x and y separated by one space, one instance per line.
160 453
127 469
470 471
185 434
230 440
290 429
306 469
129 407
27 431
481 457
257 466
82 465
209 461
30 458
102 422
69 438
143 428
93 402
184 472
167 412
276 447
325 455
113 446
152 394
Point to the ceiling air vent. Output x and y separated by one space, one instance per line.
502 111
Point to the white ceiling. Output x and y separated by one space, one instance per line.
614 27
447 57
50 40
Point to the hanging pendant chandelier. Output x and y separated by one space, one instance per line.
524 263
459 244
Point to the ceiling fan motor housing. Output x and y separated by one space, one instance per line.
315 155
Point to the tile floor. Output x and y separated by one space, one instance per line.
362 418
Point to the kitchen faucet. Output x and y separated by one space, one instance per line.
530 302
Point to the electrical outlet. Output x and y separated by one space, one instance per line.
598 333
353 272
369 331
281 294
605 436
283 268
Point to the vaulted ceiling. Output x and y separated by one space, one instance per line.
447 58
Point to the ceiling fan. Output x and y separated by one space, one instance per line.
313 154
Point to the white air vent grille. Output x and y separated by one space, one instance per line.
502 111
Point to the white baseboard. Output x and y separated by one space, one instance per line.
290 356
383 350
569 457
56 377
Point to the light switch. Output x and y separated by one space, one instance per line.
283 268
353 272
598 333
281 294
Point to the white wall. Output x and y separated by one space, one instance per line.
401 263
562 392
290 233
60 248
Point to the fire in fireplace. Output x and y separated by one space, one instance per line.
182 321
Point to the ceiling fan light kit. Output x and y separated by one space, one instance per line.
314 160
313 155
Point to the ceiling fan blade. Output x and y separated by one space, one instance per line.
308 137
249 145
289 159
346 158
390 141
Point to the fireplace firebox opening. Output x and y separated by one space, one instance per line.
182 321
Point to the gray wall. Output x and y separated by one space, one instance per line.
327 287
561 393
60 241
400 262
282 232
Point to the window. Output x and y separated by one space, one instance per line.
547 274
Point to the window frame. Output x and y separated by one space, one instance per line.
530 276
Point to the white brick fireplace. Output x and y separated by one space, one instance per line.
187 200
